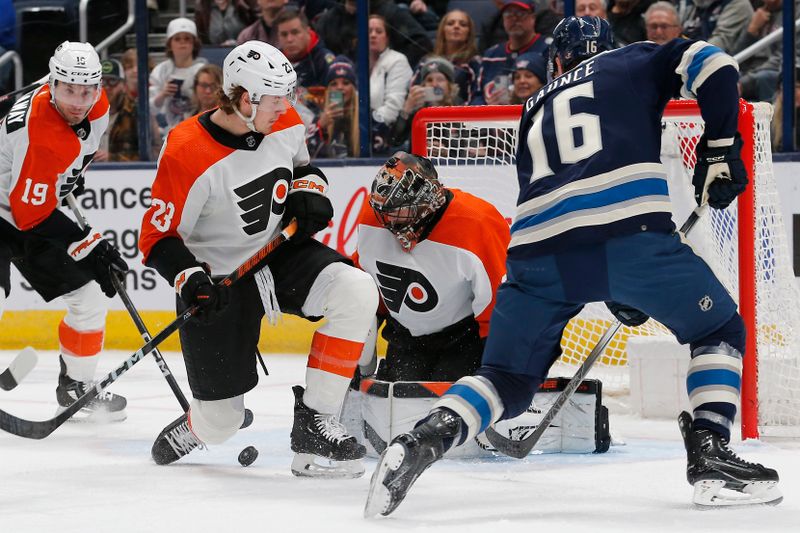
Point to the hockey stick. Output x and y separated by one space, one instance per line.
119 286
521 448
25 89
39 429
22 364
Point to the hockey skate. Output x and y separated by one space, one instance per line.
406 458
105 407
719 476
175 441
321 444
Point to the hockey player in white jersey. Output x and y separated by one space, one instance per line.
228 180
593 224
47 140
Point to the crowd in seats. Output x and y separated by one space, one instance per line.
421 53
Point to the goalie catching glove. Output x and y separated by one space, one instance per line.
308 203
101 257
626 314
195 287
719 175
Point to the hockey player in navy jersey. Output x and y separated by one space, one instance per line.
593 224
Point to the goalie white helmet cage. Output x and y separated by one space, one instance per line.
76 63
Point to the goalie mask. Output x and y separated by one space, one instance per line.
405 195
264 72
576 39
74 80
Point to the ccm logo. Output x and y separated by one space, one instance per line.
309 185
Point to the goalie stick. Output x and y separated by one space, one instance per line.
119 286
22 364
39 429
521 448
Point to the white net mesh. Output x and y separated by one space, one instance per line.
478 155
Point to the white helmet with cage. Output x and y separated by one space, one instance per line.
76 63
260 69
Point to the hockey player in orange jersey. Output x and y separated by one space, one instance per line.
437 256
228 180
46 142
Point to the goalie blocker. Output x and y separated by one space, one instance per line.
381 410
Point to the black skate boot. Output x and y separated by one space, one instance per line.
407 457
105 407
175 441
319 436
712 466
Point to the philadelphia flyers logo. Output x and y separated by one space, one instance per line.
261 198
403 286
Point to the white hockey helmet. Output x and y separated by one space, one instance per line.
262 70
76 63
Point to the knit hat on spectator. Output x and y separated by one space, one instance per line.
527 5
111 68
436 64
533 62
181 25
341 67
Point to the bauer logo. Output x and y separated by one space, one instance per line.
706 303
401 285
261 198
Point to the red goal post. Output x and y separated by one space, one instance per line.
481 141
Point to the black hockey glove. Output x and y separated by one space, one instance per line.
307 202
719 175
195 287
102 259
627 315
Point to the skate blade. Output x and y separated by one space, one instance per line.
309 465
379 498
711 493
96 416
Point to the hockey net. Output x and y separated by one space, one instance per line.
746 245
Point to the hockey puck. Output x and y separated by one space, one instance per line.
248 456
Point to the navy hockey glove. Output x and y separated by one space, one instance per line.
307 202
719 175
195 287
102 259
627 315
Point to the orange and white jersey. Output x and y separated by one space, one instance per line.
223 195
41 156
452 274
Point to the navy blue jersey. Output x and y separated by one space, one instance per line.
588 158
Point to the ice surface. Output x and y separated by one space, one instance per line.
100 478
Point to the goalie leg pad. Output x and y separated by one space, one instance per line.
216 421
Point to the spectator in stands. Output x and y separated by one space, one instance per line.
548 18
436 87
120 142
219 22
591 8
207 83
759 74
456 42
335 133
626 19
497 63
530 74
777 117
337 28
389 76
720 22
426 17
171 80
263 28
8 42
301 45
662 22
